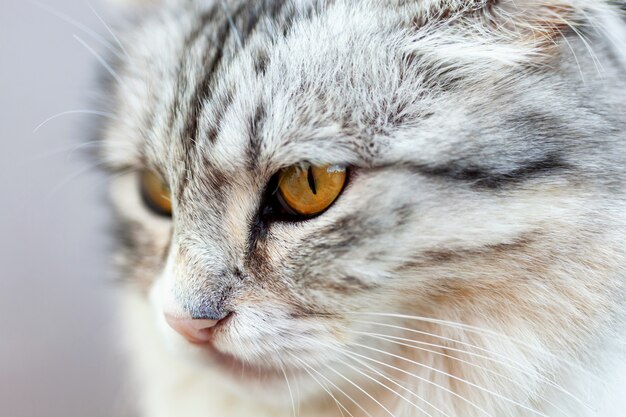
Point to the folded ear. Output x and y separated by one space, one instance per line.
457 37
535 25
539 23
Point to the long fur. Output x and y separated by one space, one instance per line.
475 265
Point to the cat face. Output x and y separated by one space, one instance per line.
477 167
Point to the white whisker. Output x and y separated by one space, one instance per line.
79 111
385 386
482 332
389 339
102 61
282 368
453 349
449 391
339 404
386 377
298 395
95 36
456 378
355 385
448 339
420 378
108 28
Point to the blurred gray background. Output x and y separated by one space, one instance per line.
58 348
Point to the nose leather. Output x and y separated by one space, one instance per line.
194 330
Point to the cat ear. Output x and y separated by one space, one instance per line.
483 36
518 31
536 23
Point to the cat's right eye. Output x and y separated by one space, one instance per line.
156 193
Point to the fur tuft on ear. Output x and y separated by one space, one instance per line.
543 25
538 23
535 26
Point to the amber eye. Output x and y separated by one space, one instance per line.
310 190
156 193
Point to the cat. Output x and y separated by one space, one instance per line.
409 208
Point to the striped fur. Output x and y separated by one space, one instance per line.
487 146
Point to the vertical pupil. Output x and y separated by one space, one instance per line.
311 180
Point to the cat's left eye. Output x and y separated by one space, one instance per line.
156 193
308 191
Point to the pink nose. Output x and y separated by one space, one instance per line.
194 330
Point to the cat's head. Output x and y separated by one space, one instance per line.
330 162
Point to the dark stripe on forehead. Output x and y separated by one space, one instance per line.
243 18
222 101
182 81
254 144
210 62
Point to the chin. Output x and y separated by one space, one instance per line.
232 371
250 380
175 377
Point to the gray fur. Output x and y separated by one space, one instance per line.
480 154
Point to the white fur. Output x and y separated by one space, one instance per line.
529 279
